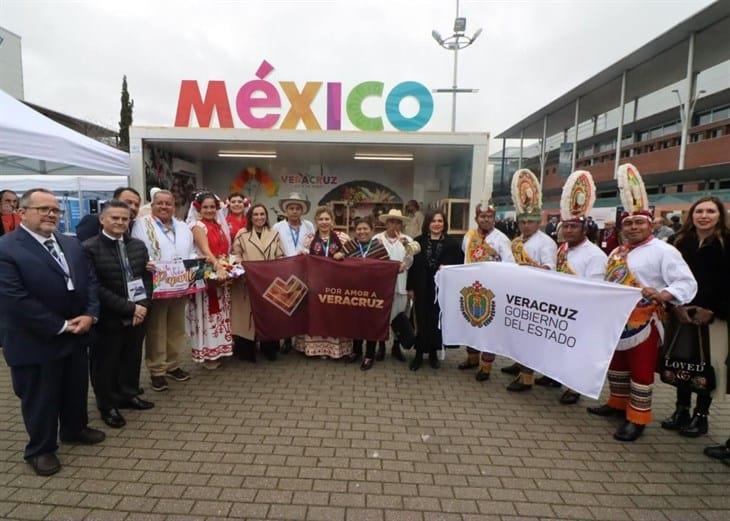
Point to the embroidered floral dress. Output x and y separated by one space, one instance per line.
209 312
325 346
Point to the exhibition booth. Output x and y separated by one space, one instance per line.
355 172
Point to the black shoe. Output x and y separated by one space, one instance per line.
481 376
113 418
270 355
136 403
433 360
380 355
696 428
158 383
352 358
178 374
140 391
678 420
513 369
397 353
516 386
628 431
546 381
718 452
45 464
87 436
367 363
606 411
463 366
286 346
417 362
569 397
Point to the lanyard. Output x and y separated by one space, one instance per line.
165 231
124 259
326 247
364 253
294 236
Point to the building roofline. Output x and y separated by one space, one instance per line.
667 47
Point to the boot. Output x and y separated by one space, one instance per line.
380 355
513 369
522 383
697 426
417 361
606 411
485 368
397 353
678 420
629 431
286 346
472 361
546 381
569 397
719 452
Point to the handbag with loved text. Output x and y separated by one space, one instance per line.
686 359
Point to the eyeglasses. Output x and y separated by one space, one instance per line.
46 210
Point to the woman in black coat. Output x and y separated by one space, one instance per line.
704 241
437 249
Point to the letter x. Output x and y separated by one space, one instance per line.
300 105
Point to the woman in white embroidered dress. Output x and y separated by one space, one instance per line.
209 312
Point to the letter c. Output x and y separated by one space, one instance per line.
354 105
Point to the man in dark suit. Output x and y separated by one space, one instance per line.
125 288
90 226
48 303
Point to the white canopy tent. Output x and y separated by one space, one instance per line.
31 143
62 183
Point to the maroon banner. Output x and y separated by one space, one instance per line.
318 296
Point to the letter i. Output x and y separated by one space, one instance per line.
334 106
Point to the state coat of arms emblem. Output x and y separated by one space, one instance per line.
477 304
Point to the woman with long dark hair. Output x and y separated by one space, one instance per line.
437 249
327 242
697 332
209 312
257 243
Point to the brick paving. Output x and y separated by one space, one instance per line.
314 439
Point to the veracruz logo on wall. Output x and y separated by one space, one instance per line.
263 94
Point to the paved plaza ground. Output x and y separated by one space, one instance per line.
315 439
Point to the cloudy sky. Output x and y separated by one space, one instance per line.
530 51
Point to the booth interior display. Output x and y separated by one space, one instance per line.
457 215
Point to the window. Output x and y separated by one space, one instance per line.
721 113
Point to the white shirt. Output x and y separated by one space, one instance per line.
659 265
542 249
588 261
291 243
497 240
397 252
164 244
414 226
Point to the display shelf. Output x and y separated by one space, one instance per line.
346 212
457 215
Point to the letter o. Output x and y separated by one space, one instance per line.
405 90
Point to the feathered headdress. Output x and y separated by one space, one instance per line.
526 195
579 196
633 192
486 204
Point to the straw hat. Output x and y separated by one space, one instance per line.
394 213
295 197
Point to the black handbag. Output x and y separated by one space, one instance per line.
403 328
686 359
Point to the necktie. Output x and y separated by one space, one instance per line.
122 248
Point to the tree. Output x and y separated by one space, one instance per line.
125 117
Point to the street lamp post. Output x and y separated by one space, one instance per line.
456 42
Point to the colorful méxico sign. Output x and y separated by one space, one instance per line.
260 94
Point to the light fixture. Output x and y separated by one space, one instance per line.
247 153
365 156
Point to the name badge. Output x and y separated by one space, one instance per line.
136 290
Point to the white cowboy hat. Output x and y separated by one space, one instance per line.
295 197
394 213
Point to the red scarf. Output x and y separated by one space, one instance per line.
236 223
219 245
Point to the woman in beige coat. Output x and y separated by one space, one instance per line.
258 243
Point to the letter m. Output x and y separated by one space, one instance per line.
216 98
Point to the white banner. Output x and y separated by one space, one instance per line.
560 325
